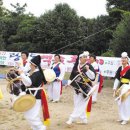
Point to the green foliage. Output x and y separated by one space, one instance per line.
116 10
62 26
16 27
119 4
121 41
57 28
20 46
3 11
2 47
99 43
19 10
108 53
24 30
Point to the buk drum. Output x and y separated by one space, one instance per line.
81 84
50 75
20 101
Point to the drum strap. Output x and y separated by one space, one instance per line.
35 89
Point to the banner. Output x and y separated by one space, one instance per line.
108 65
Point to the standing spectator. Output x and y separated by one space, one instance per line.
95 83
55 88
24 63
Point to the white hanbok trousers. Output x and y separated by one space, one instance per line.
54 90
80 105
124 109
33 116
95 93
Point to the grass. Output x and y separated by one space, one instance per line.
4 70
67 75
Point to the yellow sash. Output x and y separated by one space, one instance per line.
124 80
1 94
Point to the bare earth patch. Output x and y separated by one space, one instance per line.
103 116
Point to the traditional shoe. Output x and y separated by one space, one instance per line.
69 122
50 100
123 122
55 101
84 121
93 102
119 120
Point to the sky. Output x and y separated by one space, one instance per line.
86 8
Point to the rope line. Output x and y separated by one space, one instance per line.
84 38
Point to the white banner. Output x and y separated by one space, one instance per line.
108 65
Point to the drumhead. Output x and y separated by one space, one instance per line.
24 103
50 75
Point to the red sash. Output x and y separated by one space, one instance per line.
45 109
123 72
89 106
100 83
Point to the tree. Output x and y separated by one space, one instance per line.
116 10
118 4
57 28
22 40
86 25
16 28
3 11
19 10
2 45
121 41
99 43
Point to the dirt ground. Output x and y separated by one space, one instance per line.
103 116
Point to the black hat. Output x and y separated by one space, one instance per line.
36 60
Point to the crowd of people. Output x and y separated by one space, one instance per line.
85 79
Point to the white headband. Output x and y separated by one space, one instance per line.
124 55
85 53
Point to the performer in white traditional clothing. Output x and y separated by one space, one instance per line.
122 79
96 82
23 63
82 99
34 83
55 88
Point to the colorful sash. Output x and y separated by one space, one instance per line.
123 72
1 94
89 106
45 109
100 83
100 80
